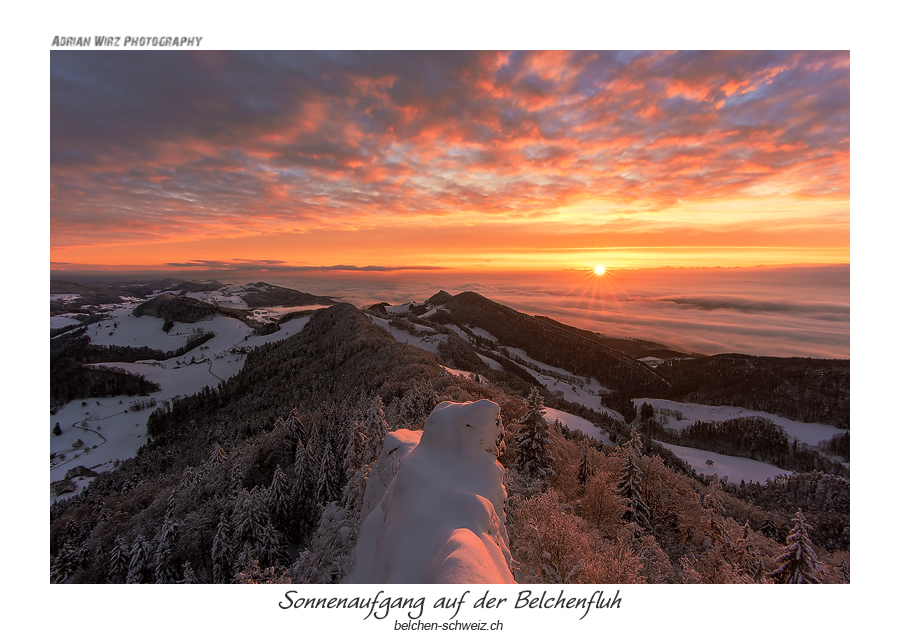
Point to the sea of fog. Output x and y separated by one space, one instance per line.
779 311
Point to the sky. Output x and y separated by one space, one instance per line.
279 162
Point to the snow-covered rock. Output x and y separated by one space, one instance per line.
441 519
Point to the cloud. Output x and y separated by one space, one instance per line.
753 305
168 145
278 267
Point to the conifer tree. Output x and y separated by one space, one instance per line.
356 450
750 561
223 552
375 429
768 527
326 486
798 562
585 466
188 575
715 514
354 493
844 571
66 562
533 456
117 566
330 554
237 476
280 497
164 564
139 565
250 515
414 408
629 485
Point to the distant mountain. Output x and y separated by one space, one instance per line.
170 307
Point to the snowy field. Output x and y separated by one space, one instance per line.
107 428
471 376
494 365
576 422
61 321
810 433
428 343
735 469
274 313
122 328
228 297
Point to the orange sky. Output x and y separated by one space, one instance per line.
176 160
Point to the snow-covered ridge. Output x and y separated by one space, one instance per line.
441 519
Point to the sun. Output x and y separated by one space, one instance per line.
599 269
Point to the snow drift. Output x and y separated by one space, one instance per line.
441 519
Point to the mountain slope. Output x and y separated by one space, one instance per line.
550 343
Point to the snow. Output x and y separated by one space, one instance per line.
735 469
576 422
397 444
62 322
109 424
429 343
810 433
459 331
494 365
481 332
144 331
467 375
441 519
273 313
223 297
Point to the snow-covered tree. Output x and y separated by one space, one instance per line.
533 456
798 562
66 562
414 408
330 554
768 527
164 564
354 493
326 485
844 571
223 552
117 566
188 575
139 567
280 502
375 429
750 561
715 514
585 465
237 476
356 450
250 514
629 485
